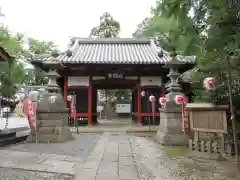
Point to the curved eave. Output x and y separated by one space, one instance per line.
45 66
4 56
39 65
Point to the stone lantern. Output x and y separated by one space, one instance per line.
52 113
170 132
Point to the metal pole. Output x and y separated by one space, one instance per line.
232 113
1 81
36 131
106 95
149 122
153 108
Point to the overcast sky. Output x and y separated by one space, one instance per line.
57 20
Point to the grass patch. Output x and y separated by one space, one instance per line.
175 151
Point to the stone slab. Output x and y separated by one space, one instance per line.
112 158
86 174
126 161
125 150
107 167
91 164
128 172
106 177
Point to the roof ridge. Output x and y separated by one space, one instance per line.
115 40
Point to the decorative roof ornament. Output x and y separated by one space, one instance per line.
55 53
69 53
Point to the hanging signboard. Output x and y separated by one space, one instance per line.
115 76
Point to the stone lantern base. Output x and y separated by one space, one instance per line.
170 128
52 120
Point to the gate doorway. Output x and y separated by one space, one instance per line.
109 94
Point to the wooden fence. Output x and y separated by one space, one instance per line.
208 123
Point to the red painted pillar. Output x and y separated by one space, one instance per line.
139 106
90 103
163 91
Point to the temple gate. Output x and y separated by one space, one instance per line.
92 64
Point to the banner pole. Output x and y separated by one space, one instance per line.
35 117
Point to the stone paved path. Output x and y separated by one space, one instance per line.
116 156
124 157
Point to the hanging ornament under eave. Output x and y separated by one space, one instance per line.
152 98
69 98
210 83
180 99
143 93
162 100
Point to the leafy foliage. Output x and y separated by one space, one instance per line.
11 74
108 27
15 73
38 48
207 29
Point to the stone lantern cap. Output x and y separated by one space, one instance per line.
180 61
33 95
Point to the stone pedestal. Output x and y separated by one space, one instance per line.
170 128
52 120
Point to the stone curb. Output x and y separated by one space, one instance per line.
86 130
98 130
142 129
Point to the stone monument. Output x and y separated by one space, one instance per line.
170 127
52 115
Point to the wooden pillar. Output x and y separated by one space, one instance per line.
90 102
163 91
139 106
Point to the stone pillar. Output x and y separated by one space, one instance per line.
52 114
170 130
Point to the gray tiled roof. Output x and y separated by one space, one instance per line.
112 51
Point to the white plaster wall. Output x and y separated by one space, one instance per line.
151 81
78 81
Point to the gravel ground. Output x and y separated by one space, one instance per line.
17 174
154 164
81 146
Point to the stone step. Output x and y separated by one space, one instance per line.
10 138
17 129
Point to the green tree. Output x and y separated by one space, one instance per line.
37 49
108 27
207 29
168 33
12 74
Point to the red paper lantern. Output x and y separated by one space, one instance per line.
179 99
210 83
162 100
